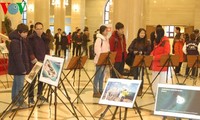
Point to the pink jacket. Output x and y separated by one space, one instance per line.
101 46
163 48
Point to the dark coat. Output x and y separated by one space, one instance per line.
18 55
38 47
57 39
64 42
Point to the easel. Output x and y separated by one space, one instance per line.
166 61
74 64
143 62
24 92
194 63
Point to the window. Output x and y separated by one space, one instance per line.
169 31
24 14
107 11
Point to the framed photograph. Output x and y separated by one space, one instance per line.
36 68
51 70
177 101
120 92
3 48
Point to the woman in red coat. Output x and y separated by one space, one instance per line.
178 46
161 47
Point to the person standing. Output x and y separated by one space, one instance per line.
69 38
191 47
64 43
139 46
161 47
178 46
101 46
50 37
31 30
39 47
58 42
152 36
85 41
74 34
18 64
118 44
78 40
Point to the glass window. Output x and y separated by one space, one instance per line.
24 14
67 20
107 12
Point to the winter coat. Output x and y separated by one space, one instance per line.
178 46
115 45
163 48
51 46
64 42
39 47
19 62
101 46
140 47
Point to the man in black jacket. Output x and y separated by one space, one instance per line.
39 47
58 42
18 61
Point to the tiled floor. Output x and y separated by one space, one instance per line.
88 109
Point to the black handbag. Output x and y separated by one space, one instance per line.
129 59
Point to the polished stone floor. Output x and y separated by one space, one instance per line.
86 107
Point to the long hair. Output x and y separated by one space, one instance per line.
160 34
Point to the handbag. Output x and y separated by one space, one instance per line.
129 59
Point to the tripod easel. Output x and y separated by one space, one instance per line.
193 64
25 93
166 61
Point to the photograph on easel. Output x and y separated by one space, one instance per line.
51 70
177 101
3 48
36 68
120 92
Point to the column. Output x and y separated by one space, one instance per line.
78 14
59 16
42 12
130 13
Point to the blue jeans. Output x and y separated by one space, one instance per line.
18 84
98 79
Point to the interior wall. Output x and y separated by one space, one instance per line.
94 10
172 12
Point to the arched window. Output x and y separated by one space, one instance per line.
107 11
24 14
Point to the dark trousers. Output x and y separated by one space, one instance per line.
73 48
194 71
78 50
137 71
57 50
31 89
85 50
119 66
178 68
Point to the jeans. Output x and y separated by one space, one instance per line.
119 66
32 87
98 79
18 84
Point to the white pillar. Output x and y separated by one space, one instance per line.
78 14
42 12
59 16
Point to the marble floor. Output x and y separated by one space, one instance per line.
85 106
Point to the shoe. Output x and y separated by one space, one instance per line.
96 95
42 98
22 105
31 102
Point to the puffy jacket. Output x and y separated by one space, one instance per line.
101 46
18 55
163 48
115 45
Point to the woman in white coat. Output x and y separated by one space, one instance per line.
101 46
